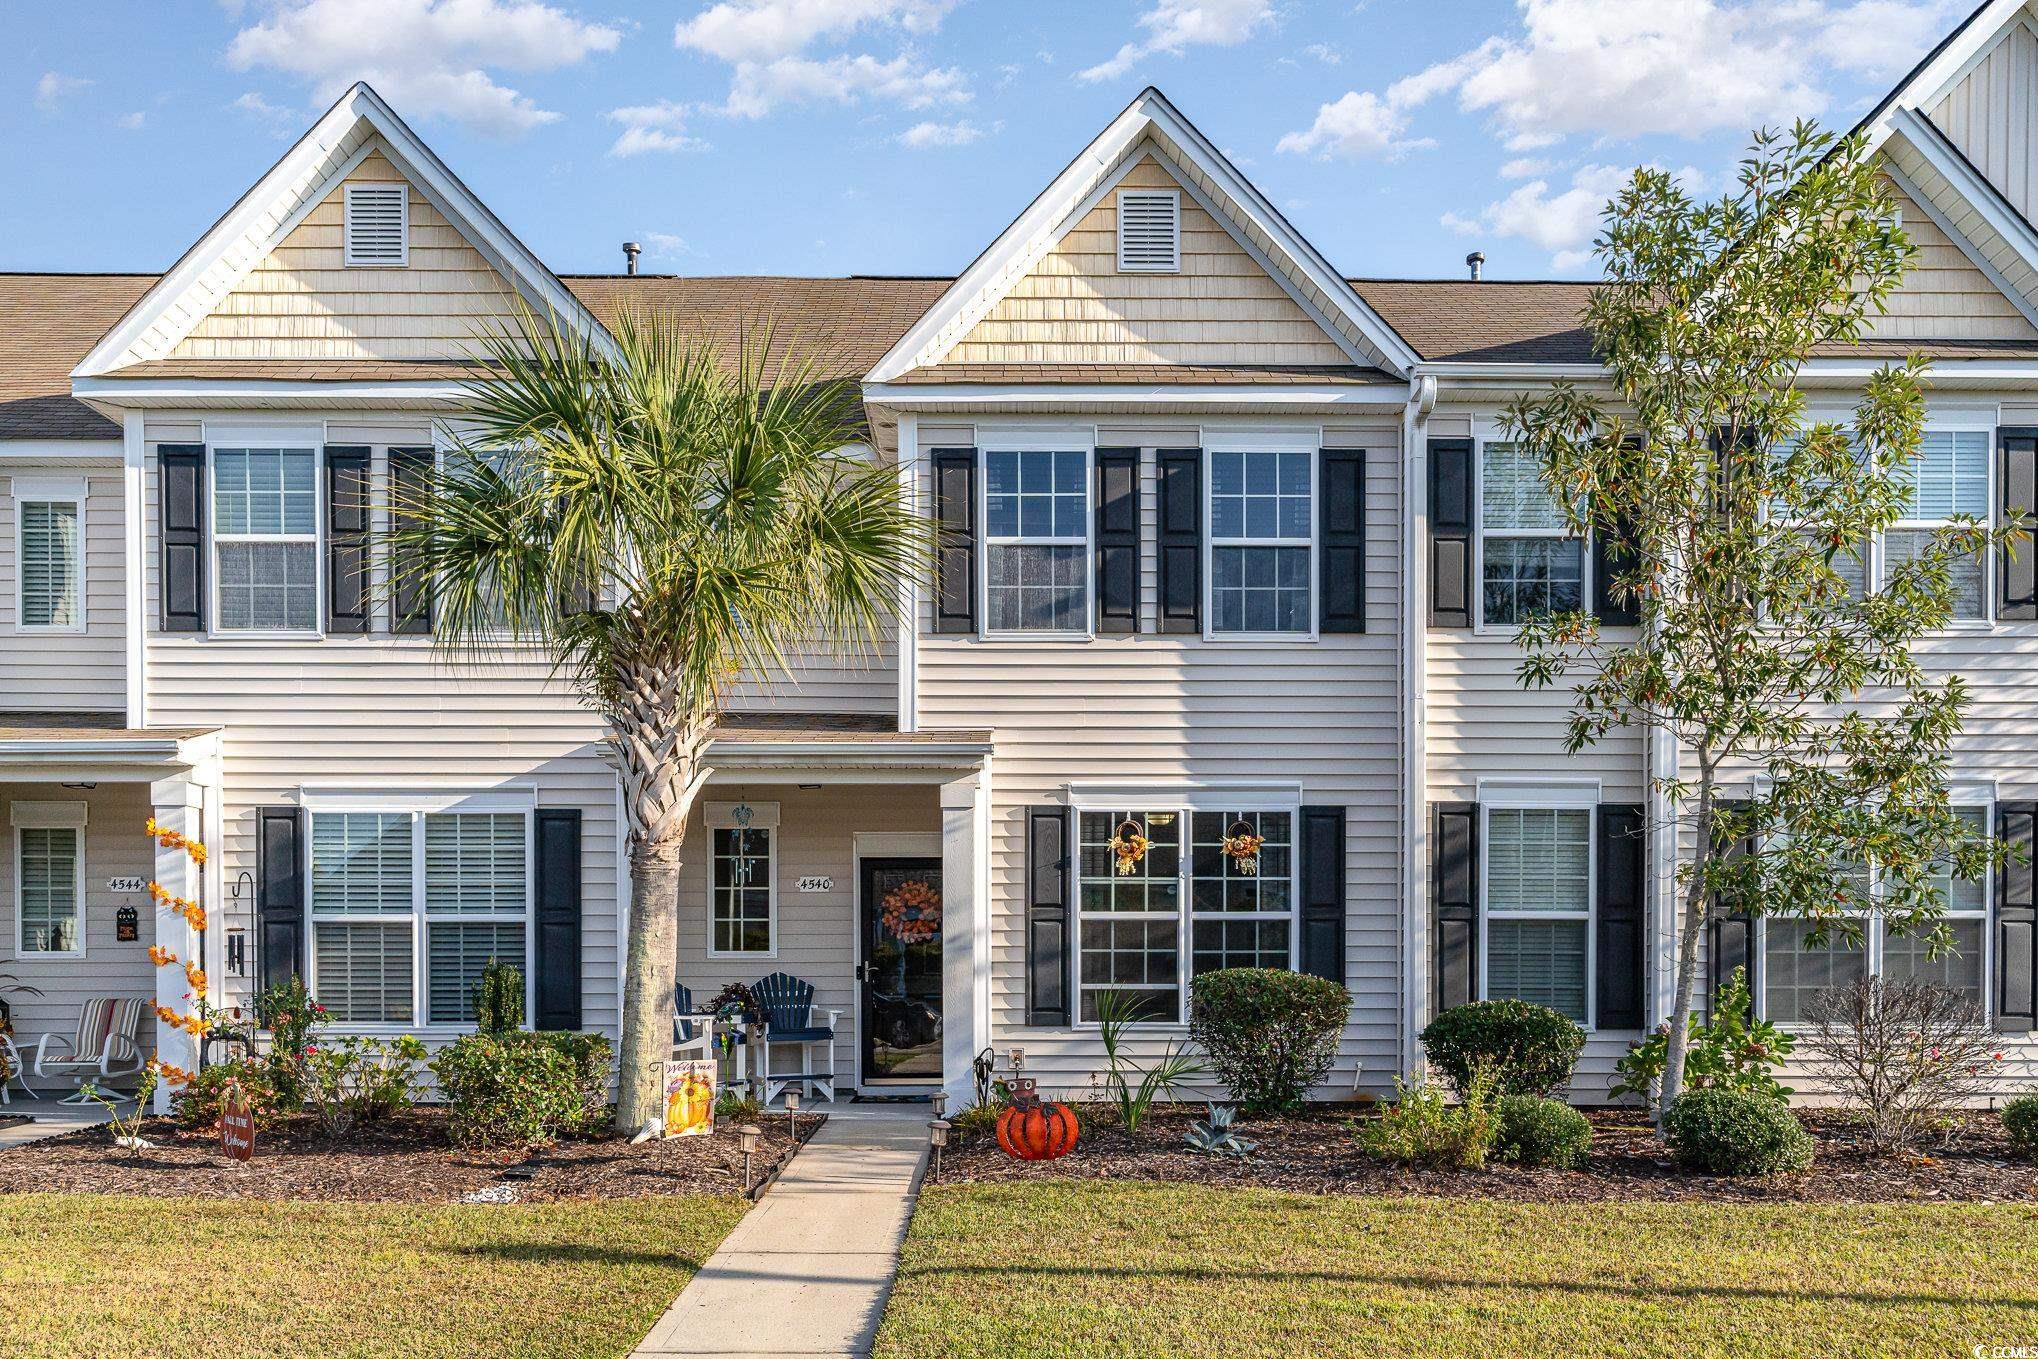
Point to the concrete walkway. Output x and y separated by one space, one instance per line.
807 1271
50 1118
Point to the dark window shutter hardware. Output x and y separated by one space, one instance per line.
1623 890
1454 902
1341 541
1181 540
1450 533
1322 951
1117 540
180 478
347 495
1048 950
410 593
955 560
279 894
557 918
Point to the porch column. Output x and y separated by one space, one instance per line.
178 805
966 937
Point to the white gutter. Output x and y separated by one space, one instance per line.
57 450
1412 653
147 392
932 396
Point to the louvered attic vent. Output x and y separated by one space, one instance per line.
378 225
1149 231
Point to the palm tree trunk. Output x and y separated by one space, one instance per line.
651 970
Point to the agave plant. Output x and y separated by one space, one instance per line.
1214 1134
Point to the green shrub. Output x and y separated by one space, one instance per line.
981 1120
202 1100
1529 1049
361 1080
1541 1132
523 1089
1733 1050
1270 1034
499 998
2020 1121
731 1107
1736 1132
290 1015
1422 1128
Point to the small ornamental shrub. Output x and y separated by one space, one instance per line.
204 1097
290 1015
523 1089
1527 1049
1270 1033
731 1107
1736 1132
1901 1053
2020 1121
1422 1128
499 998
361 1080
1731 1051
981 1120
1541 1132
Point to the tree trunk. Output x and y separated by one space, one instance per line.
650 972
1690 934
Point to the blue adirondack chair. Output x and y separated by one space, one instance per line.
689 1030
788 1006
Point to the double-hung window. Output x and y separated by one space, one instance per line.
49 878
390 888
1166 893
1537 904
49 555
265 511
743 874
1037 540
1261 527
1529 563
1948 477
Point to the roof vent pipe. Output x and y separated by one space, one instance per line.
1476 262
630 252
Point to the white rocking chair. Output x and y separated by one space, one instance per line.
105 1046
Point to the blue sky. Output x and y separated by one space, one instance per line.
899 136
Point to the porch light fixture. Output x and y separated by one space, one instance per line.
746 1137
937 1137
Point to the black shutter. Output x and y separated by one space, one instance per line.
1118 540
2019 564
1323 893
1181 540
279 894
180 487
1450 533
2016 922
1612 554
347 476
1623 879
955 561
556 954
1454 901
1047 917
410 593
1341 545
1730 939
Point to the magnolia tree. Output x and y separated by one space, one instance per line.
1810 739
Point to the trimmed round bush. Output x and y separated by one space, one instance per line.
1542 1132
1270 1034
523 1089
1733 1132
1529 1049
2020 1121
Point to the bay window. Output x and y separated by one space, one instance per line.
49 555
1529 563
1156 883
1037 540
1537 902
265 538
1261 526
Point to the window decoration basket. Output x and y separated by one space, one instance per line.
1242 846
1128 846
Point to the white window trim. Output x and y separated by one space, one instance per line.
48 816
1874 930
1185 807
348 259
417 808
764 816
41 491
1578 796
1877 553
1480 627
1038 441
1174 266
1216 442
217 438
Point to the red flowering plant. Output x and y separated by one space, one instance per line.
291 1017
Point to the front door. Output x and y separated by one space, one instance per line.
900 919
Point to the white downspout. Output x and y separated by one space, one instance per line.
1412 652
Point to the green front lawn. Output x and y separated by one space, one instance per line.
1101 1269
90 1275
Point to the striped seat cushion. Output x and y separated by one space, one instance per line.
99 1020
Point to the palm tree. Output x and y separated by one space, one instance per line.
722 505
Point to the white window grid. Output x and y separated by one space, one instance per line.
1481 532
719 890
991 541
418 915
313 538
1588 916
1212 542
24 836
29 494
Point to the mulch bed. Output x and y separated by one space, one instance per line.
407 1159
1315 1153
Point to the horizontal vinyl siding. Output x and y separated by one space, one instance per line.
67 671
1163 710
1484 724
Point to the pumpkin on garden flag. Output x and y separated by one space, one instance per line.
1029 1130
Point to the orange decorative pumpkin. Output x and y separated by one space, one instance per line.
1029 1130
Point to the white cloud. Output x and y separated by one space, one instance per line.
431 58
759 88
664 245
131 122
921 136
1358 127
1563 221
764 30
55 87
652 127
1173 25
1324 53
1523 166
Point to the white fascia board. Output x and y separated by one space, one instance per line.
58 450
198 393
932 397
1942 69
1931 145
1967 370
358 105
1524 371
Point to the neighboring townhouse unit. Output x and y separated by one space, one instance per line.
1230 542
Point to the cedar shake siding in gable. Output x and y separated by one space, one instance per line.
1945 295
